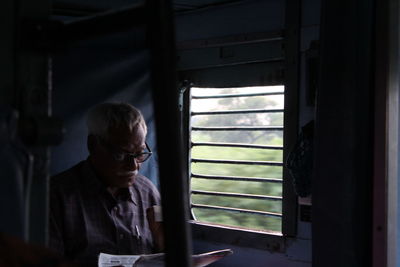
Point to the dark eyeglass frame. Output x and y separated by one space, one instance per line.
126 156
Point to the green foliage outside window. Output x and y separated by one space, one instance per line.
243 220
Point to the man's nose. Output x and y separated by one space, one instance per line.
133 164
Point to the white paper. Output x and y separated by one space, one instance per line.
107 260
157 260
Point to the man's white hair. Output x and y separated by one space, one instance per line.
103 117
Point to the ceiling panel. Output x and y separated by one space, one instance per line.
89 6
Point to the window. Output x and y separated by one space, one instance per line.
236 156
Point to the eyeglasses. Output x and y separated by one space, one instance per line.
121 156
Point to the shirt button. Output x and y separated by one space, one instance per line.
115 209
121 236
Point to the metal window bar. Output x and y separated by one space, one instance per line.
248 38
237 145
236 178
237 210
237 195
244 111
241 162
239 128
236 95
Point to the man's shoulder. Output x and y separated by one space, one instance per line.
145 188
67 178
145 185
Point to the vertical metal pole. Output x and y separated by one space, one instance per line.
390 17
7 53
33 101
343 164
173 174
385 132
292 41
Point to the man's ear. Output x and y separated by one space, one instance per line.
91 143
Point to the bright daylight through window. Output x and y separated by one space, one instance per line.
236 156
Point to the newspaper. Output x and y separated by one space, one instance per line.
106 260
157 260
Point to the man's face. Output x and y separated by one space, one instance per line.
115 173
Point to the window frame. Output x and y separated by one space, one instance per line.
276 70
268 240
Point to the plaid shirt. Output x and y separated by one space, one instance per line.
85 219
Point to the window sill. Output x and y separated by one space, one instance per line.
271 241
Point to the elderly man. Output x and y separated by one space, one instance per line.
102 204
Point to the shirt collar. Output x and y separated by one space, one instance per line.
125 194
92 182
